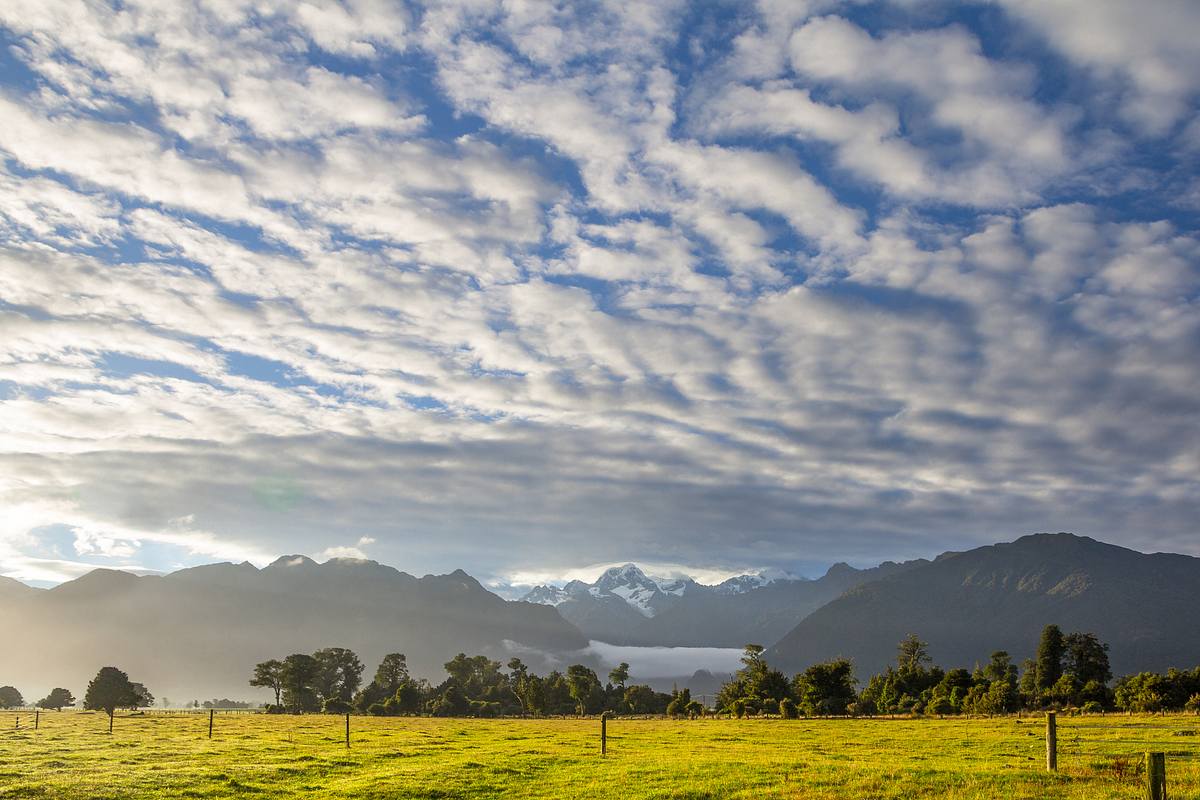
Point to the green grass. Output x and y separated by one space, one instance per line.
169 755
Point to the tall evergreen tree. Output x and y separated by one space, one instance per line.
1049 657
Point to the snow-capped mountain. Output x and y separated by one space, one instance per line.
741 584
626 585
624 605
547 595
647 594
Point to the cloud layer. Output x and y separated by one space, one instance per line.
522 288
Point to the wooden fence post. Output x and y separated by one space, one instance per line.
1051 742
37 718
604 733
347 730
1156 776
110 719
211 713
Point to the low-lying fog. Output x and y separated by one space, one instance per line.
665 662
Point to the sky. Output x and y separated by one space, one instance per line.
525 288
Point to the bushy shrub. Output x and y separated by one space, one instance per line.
787 709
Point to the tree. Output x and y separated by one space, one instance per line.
10 697
339 674
756 686
298 678
1143 692
518 680
825 688
407 699
1000 668
680 700
1085 656
619 675
1029 682
141 697
641 699
392 671
269 675
584 686
912 654
1049 657
1001 697
752 656
57 700
452 702
109 690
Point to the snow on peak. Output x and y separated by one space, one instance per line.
741 584
649 594
547 595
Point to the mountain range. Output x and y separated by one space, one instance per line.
965 605
626 606
198 632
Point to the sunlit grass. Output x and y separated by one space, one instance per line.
72 755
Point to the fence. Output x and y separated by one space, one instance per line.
1083 739
1146 744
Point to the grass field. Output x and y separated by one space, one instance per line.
169 755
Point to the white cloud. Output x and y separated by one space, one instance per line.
793 303
1011 142
1151 44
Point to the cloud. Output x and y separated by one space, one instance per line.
1147 46
514 287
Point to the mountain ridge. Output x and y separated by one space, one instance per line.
202 629
998 597
627 607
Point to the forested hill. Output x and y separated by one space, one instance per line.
966 605
198 630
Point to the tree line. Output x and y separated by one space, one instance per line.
110 690
1070 670
330 680
58 699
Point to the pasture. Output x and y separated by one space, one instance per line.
71 755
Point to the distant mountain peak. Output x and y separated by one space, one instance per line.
292 561
99 581
646 594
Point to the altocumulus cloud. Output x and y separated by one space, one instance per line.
525 287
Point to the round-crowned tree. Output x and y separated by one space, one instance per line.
57 699
109 690
10 697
